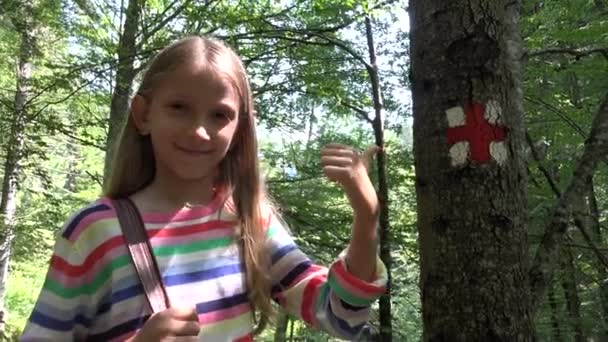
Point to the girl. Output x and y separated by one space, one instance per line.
187 158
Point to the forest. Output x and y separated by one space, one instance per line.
503 241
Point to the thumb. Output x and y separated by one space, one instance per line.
184 313
369 154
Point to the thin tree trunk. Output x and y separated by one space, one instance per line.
70 179
573 302
125 73
386 330
596 149
280 333
557 334
470 171
291 322
24 23
601 268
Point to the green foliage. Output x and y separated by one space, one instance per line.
562 92
23 286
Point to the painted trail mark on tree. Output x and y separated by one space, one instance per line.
475 132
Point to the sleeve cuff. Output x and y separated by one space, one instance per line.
353 290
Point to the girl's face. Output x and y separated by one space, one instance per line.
192 117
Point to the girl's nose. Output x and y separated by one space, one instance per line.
201 133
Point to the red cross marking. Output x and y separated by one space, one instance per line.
478 132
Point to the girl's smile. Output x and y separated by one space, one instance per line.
193 151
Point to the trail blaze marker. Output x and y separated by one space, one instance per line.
475 132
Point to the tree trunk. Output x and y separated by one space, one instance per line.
280 333
470 171
125 74
596 149
291 322
386 330
601 268
573 302
24 23
555 330
70 179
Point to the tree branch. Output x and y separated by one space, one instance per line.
575 245
65 98
578 222
265 53
95 177
542 168
342 45
576 52
558 112
291 180
85 7
362 113
596 148
145 34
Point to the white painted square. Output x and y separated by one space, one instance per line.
455 117
498 151
459 153
493 112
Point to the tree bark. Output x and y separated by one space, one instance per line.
386 330
596 149
573 302
601 268
556 332
471 196
125 74
25 25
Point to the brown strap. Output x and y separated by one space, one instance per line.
139 247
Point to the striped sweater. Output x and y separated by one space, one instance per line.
92 292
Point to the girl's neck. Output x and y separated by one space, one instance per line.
166 195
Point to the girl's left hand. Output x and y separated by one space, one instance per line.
349 168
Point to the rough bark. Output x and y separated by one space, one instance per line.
125 73
601 268
596 149
555 330
386 330
25 25
471 217
573 302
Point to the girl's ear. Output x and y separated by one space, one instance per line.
139 113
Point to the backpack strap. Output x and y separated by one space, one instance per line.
137 242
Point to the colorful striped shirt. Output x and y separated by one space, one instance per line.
92 292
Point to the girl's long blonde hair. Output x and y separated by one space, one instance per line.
134 164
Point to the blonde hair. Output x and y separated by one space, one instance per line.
134 164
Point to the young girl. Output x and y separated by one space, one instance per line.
188 160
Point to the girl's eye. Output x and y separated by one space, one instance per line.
177 106
221 116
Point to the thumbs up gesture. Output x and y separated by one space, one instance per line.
349 168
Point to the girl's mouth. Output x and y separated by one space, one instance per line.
192 151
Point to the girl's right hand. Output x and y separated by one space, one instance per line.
173 324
